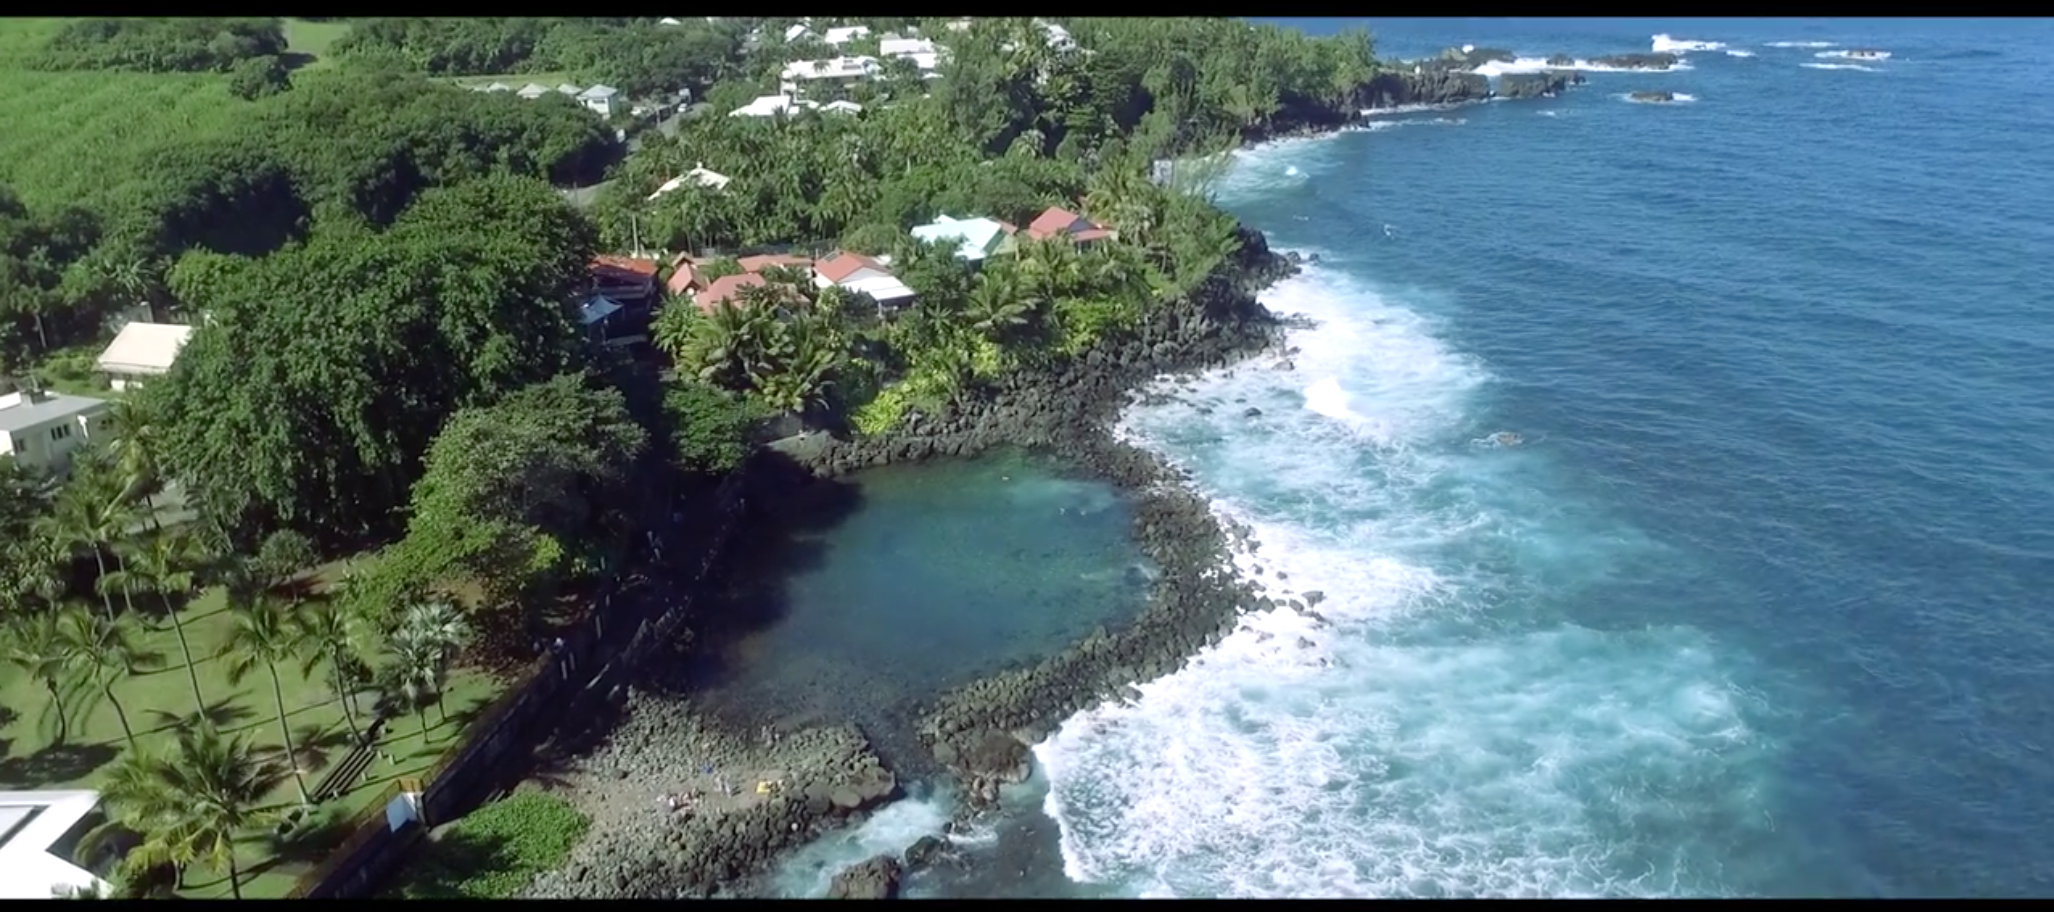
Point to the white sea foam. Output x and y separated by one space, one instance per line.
808 871
1837 66
1737 52
1665 44
1802 44
1498 68
1845 54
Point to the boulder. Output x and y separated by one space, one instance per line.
877 878
1653 97
1655 61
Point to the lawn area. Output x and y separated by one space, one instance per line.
493 851
27 35
309 41
74 371
156 699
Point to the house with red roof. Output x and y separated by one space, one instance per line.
628 281
1057 222
726 288
763 261
859 274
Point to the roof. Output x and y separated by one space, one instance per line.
793 33
900 47
767 105
30 824
623 269
20 412
976 236
849 107
845 33
682 278
144 348
599 91
838 266
1060 222
597 308
568 89
724 288
883 288
764 261
533 90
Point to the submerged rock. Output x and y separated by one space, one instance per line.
1651 98
1655 61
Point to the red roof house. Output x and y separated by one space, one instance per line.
726 288
1057 222
841 265
761 262
623 278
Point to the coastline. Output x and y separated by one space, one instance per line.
978 734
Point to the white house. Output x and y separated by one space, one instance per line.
976 238
922 52
532 91
711 180
37 833
140 351
770 105
856 273
842 107
843 70
797 32
603 99
42 429
565 88
845 34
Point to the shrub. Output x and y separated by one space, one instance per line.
882 413
709 427
497 850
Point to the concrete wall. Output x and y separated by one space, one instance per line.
373 851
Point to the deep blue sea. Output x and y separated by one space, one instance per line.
1759 603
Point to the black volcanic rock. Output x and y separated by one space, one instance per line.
1473 57
1653 97
877 878
1532 85
1426 86
1657 61
1561 60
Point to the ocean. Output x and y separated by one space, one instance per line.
1747 610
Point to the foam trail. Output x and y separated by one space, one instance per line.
1854 55
808 871
1736 52
1674 98
1837 66
1498 68
1664 44
1802 44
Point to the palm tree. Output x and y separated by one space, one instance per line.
76 522
996 305
425 641
264 635
327 632
164 567
135 447
191 803
725 348
410 676
36 646
106 650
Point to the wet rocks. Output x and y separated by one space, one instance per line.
1425 85
877 878
1652 97
1536 85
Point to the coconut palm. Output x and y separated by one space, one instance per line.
106 650
264 635
134 449
35 645
191 803
328 634
725 347
419 652
77 522
996 305
164 566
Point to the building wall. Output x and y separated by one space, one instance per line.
50 445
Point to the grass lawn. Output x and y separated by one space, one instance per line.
309 41
155 699
74 371
24 36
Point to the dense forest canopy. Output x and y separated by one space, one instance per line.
629 54
195 45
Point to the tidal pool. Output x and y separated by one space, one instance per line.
928 577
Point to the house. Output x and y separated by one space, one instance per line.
856 273
628 281
699 176
1058 222
797 33
601 318
140 351
841 107
684 276
921 52
603 100
565 88
495 87
532 91
42 429
845 34
726 288
976 238
1058 37
838 70
39 835
959 25
771 105
763 261
668 21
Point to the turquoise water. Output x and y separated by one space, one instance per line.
936 575
1755 609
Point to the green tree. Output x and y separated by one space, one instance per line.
78 521
106 650
193 802
265 635
328 633
35 644
997 306
709 426
164 565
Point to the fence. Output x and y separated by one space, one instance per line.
370 853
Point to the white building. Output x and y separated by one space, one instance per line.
711 180
840 70
923 53
37 833
841 107
141 351
845 34
603 100
797 32
43 429
856 273
771 105
532 91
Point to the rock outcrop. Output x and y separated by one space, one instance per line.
1652 97
1655 61
1536 85
877 878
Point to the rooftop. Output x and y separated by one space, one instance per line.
20 411
975 235
724 288
144 348
32 825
